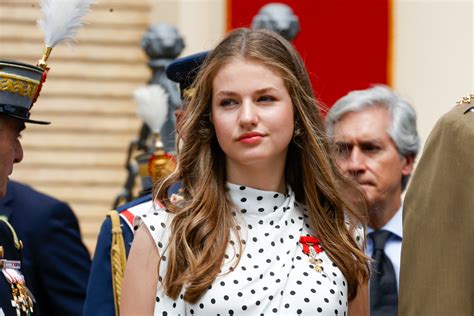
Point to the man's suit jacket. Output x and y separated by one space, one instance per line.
437 274
56 263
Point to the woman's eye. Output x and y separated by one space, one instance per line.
266 98
227 102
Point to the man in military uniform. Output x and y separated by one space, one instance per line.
54 259
19 85
116 234
436 274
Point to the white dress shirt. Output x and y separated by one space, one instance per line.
393 247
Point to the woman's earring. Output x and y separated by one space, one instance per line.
296 133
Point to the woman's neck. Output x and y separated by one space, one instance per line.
267 178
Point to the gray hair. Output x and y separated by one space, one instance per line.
402 129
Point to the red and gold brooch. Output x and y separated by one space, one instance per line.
311 248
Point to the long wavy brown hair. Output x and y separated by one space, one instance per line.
203 220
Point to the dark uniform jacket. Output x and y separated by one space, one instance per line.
55 263
9 253
100 298
437 263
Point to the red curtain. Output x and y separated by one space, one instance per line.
345 43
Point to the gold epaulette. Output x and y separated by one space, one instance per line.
117 257
466 100
18 242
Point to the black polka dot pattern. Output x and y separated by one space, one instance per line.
273 276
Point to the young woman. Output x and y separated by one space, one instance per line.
266 222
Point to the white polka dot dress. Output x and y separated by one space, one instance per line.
273 276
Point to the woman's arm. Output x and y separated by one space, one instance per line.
141 276
359 306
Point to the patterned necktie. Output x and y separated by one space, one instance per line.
383 283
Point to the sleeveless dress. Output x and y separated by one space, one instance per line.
273 277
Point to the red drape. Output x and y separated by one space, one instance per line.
344 43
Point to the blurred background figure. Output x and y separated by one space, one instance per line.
436 276
55 261
117 231
162 43
277 17
376 142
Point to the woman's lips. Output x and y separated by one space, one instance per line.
250 138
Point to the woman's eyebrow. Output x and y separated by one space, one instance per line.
259 91
265 90
226 93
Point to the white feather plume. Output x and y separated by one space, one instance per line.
152 106
61 19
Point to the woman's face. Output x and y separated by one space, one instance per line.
252 114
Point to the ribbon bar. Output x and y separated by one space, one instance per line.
310 241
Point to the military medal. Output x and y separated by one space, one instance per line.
21 298
311 248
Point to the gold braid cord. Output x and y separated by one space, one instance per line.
18 243
117 257
18 84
